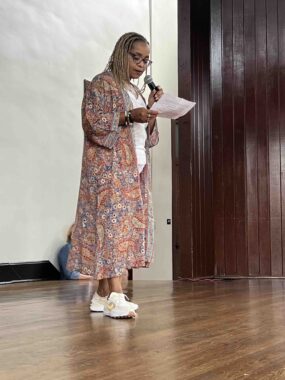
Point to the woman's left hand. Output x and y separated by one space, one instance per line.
154 96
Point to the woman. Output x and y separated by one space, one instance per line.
114 221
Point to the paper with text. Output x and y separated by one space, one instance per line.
172 107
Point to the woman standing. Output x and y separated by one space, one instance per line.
114 220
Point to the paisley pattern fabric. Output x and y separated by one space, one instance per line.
114 218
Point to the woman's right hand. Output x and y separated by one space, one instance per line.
142 115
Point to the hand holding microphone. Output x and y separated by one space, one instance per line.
145 115
156 91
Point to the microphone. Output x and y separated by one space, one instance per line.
149 81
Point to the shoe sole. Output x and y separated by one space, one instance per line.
120 316
96 310
123 317
101 311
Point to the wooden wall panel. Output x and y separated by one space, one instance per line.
181 157
193 248
274 136
228 136
281 110
239 136
217 136
260 261
252 140
203 253
234 143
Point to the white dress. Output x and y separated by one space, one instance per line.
139 132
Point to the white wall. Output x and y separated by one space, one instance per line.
47 48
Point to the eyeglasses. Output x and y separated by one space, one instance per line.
137 60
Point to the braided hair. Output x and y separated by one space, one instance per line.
119 63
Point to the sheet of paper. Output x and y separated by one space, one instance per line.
172 107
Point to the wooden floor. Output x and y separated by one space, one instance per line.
202 330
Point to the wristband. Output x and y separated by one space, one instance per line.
130 119
126 119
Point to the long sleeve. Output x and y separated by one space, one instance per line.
101 112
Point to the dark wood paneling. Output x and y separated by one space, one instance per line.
239 137
274 137
237 155
203 258
217 136
181 157
228 135
193 250
262 256
281 109
250 141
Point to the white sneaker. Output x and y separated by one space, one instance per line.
134 306
97 303
118 307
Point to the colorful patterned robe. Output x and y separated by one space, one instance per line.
114 219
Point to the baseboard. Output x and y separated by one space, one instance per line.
250 277
228 278
29 271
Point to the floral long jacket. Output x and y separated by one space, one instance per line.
114 218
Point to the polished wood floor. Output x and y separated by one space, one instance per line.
201 330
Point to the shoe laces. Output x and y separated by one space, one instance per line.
126 298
